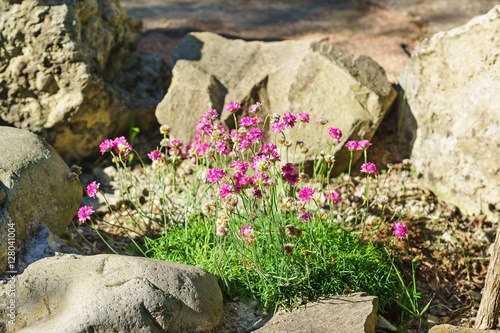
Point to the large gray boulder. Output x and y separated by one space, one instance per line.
69 71
210 71
34 189
452 83
112 293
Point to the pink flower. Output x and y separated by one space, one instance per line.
223 148
363 145
304 216
306 193
84 213
121 146
289 119
225 189
106 146
248 234
261 163
352 145
155 155
259 179
92 189
242 183
210 115
275 156
176 144
267 149
204 127
303 117
334 196
369 168
289 173
247 122
215 174
201 148
257 193
254 108
335 133
240 168
244 144
278 127
233 107
400 230
255 135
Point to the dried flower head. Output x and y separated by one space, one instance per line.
275 118
303 177
288 248
248 234
322 214
291 230
304 150
76 169
322 121
165 142
165 130
72 176
254 108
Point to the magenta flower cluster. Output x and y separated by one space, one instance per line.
92 189
400 230
84 213
369 168
119 145
355 145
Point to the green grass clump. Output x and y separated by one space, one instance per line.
339 264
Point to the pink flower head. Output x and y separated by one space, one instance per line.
254 108
289 173
106 146
267 149
304 216
306 194
248 234
369 168
240 168
261 163
92 189
155 155
303 117
247 122
363 145
274 156
201 148
233 107
210 115
204 127
255 135
121 146
223 148
215 174
225 189
244 144
352 145
176 144
242 183
400 230
257 193
334 196
335 133
289 119
278 127
84 213
259 179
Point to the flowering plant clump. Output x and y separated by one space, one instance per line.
249 212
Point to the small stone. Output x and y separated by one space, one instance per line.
432 321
